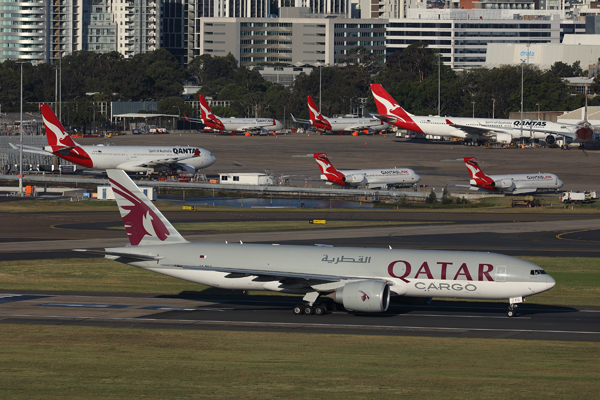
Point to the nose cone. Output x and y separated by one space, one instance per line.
417 178
559 182
210 159
550 282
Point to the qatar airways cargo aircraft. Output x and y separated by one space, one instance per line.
476 129
362 279
184 160
364 177
254 125
515 184
321 123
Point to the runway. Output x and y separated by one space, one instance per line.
273 314
53 235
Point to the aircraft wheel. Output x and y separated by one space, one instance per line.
511 313
308 310
298 309
319 310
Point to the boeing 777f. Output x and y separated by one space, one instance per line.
184 160
476 129
365 177
321 123
515 184
254 125
362 279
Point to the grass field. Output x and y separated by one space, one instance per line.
578 279
60 362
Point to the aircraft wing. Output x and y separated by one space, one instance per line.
390 119
196 120
154 163
359 128
30 149
302 121
272 274
142 257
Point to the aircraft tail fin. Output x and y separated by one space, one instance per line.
56 134
476 173
144 223
328 169
315 113
207 113
386 105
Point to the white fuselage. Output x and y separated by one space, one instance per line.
524 183
379 177
419 273
134 158
356 124
249 124
438 126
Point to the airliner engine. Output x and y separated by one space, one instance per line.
550 139
184 169
364 296
504 184
503 137
356 179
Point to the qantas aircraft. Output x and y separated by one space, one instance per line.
366 125
361 177
255 125
362 279
476 129
178 159
515 184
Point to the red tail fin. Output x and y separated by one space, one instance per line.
386 105
55 132
205 109
327 169
315 113
476 173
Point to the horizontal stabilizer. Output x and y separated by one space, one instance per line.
143 257
29 149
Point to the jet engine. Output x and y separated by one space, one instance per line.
584 132
503 137
550 139
504 184
184 169
364 296
356 179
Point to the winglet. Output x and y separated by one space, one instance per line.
144 223
449 123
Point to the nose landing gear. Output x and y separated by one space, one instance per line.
512 312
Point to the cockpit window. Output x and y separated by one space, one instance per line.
537 272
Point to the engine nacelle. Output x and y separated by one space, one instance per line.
503 137
584 133
364 296
356 179
550 139
504 184
185 170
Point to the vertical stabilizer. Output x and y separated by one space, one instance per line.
144 223
328 170
316 118
208 118
55 132
386 105
476 173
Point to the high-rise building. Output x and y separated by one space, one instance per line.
23 30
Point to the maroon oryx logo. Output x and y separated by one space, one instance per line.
364 296
140 221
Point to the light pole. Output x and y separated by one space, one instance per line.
320 88
94 117
284 117
493 108
21 140
473 109
522 64
178 114
538 105
439 81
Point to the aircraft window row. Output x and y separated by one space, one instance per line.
538 272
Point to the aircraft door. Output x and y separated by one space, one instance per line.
501 273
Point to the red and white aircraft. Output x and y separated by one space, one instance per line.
255 125
515 184
369 177
476 129
178 159
321 123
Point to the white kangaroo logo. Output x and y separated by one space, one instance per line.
388 106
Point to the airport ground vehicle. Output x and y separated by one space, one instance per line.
576 197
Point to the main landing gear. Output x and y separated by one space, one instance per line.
310 307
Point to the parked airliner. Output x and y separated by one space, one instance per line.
184 160
476 129
515 184
253 125
321 123
371 178
361 279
